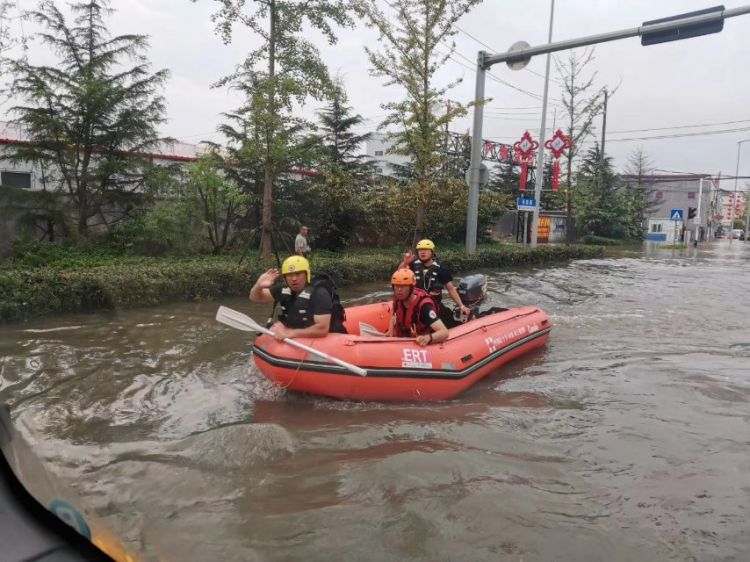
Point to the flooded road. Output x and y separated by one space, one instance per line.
626 438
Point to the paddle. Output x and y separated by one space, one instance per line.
243 322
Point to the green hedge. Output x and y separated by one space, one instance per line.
105 282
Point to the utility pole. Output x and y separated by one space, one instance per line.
673 28
604 138
539 183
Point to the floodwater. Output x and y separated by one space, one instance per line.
626 438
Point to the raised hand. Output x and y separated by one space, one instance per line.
267 280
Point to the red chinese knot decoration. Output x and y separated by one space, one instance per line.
524 152
557 144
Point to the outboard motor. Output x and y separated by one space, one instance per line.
472 290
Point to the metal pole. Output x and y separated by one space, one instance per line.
612 36
539 183
604 129
476 157
525 228
698 212
734 199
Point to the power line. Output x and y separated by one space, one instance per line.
495 78
683 126
681 135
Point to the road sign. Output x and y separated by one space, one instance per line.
676 215
526 203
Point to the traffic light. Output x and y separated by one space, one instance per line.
692 211
710 20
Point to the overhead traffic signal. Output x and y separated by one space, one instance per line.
692 211
710 20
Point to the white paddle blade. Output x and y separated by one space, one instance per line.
243 322
237 320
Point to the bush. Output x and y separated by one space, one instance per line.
595 240
73 282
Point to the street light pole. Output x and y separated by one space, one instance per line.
688 25
734 199
475 164
539 183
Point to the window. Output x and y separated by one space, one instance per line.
659 194
656 227
16 179
379 170
378 153
691 194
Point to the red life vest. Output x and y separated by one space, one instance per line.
408 317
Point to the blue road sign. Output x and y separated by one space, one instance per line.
676 215
526 203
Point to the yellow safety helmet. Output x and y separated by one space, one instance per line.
294 264
403 276
426 245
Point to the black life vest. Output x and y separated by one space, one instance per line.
408 317
427 279
296 311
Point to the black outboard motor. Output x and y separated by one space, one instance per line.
472 290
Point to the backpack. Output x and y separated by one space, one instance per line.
338 314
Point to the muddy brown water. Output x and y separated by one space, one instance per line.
626 438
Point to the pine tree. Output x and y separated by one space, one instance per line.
341 146
89 118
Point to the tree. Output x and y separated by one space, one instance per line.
331 200
285 68
416 45
341 146
581 106
639 167
220 201
89 118
603 205
595 209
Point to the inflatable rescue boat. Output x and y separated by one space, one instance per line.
397 368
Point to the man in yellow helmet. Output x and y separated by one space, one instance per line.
305 309
433 277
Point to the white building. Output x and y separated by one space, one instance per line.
726 202
377 149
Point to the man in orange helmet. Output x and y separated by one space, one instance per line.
414 313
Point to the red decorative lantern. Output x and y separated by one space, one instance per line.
524 151
557 144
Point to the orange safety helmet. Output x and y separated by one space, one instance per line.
403 276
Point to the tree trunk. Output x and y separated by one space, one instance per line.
419 224
267 225
266 244
83 212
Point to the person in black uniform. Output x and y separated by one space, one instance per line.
305 310
433 278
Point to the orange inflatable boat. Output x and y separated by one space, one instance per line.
397 368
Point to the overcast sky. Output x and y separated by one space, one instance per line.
699 85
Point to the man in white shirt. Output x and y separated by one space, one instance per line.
301 247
